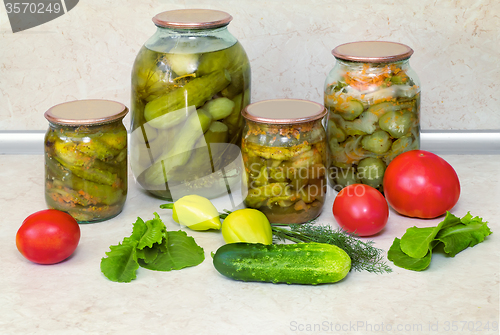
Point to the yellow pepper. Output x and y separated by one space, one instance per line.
195 212
247 225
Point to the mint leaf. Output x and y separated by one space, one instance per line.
399 258
121 264
149 232
180 251
462 236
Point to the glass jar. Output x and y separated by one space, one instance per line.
373 99
86 159
284 156
189 83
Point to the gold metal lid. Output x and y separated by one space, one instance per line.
284 111
192 19
86 112
372 52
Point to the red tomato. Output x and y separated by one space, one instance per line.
361 209
421 184
47 237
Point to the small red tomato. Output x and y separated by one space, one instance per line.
421 184
48 236
361 209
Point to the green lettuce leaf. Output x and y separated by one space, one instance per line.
148 255
414 250
179 252
121 265
149 232
399 258
416 242
463 236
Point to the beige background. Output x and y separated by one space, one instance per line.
88 52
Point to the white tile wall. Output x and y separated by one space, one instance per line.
88 52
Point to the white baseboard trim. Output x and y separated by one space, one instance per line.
442 142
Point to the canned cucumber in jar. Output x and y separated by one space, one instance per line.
373 101
189 83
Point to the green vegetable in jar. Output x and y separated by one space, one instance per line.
371 171
170 82
396 123
379 142
86 170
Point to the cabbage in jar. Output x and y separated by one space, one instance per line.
189 84
373 99
86 159
284 156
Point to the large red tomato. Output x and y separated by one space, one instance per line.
47 237
421 184
361 209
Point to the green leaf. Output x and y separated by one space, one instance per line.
399 258
149 232
462 236
148 255
416 242
121 264
180 251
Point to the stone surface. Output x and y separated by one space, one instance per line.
73 297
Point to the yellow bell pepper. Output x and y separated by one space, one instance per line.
247 225
195 212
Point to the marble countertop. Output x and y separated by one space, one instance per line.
453 296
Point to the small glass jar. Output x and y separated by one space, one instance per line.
86 159
190 81
284 155
373 99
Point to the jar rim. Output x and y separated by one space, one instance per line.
284 111
372 52
86 112
192 19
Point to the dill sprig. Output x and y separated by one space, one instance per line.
364 256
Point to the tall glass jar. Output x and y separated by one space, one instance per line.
373 99
86 159
190 81
284 156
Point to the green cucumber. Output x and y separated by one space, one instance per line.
302 263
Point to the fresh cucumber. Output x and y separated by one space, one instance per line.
302 263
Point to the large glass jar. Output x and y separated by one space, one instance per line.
373 99
190 81
284 156
86 159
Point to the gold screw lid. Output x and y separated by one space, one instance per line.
284 111
192 19
372 52
86 112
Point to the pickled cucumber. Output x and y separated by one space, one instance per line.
86 171
168 85
287 183
373 116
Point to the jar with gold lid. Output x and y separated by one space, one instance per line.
86 159
373 99
284 156
190 81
